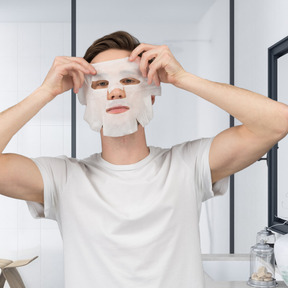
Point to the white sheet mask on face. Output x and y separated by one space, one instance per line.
123 86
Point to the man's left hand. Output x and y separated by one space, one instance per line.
157 63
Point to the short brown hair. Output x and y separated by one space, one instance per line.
118 40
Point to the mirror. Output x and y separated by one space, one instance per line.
197 33
255 32
278 156
282 203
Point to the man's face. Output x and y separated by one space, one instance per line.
108 55
118 96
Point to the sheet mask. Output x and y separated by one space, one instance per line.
136 96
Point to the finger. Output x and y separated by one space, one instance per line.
82 79
153 77
73 66
86 64
146 59
139 50
81 61
76 81
153 72
156 79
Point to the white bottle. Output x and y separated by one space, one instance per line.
281 255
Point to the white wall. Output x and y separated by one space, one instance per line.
27 51
213 64
259 24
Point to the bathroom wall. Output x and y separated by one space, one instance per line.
258 25
27 51
213 64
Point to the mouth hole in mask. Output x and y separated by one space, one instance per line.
117 109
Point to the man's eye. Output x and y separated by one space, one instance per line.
100 84
129 81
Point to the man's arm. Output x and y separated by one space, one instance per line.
265 121
19 176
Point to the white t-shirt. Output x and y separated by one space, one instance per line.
128 226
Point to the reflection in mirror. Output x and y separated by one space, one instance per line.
282 201
255 32
197 33
277 167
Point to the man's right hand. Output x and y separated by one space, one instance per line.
19 176
66 73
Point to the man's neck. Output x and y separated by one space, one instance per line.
125 150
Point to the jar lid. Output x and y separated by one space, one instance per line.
262 247
265 232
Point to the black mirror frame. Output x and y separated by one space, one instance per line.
274 53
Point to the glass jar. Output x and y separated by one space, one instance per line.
262 266
281 255
267 236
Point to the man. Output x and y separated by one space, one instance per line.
129 216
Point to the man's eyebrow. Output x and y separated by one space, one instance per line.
127 72
102 75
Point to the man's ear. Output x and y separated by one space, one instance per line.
153 99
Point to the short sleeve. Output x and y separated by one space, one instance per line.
203 179
54 175
196 156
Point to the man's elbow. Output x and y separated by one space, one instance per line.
281 129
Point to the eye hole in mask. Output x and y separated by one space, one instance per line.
102 84
129 81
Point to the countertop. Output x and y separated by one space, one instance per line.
237 285
213 284
210 283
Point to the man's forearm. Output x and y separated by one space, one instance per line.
258 113
15 117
